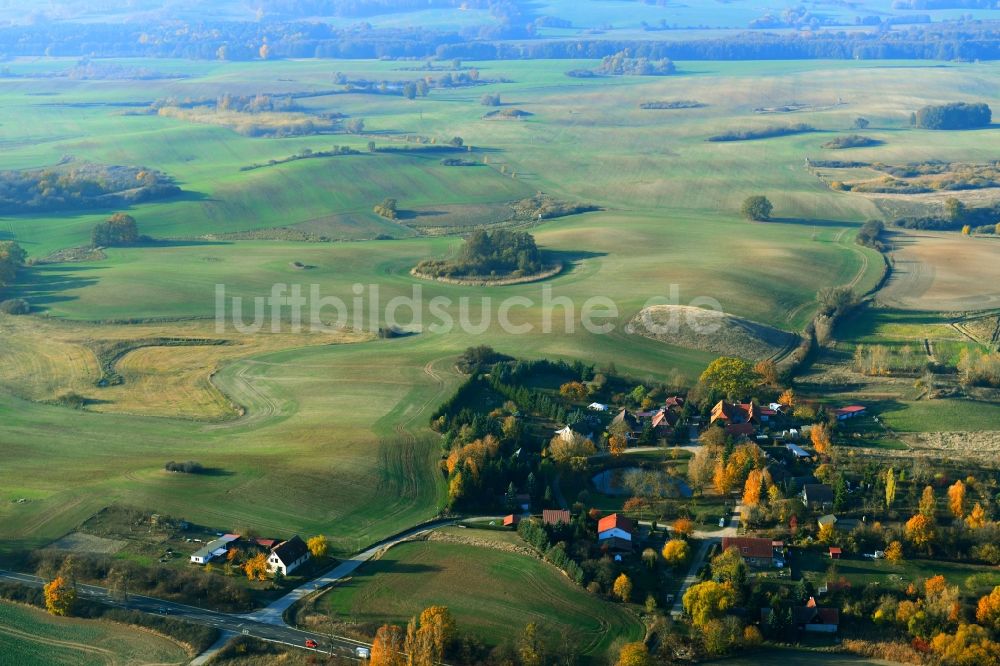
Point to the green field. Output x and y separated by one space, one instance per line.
30 637
335 439
511 590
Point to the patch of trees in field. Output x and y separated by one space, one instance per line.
954 116
918 177
498 253
186 467
80 186
851 141
673 104
119 230
387 209
768 132
623 63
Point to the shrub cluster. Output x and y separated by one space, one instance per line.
187 467
762 132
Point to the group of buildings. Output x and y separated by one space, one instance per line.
282 556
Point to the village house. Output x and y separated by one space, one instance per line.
816 619
556 517
288 556
615 532
817 495
511 520
628 422
757 552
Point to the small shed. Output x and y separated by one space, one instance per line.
835 552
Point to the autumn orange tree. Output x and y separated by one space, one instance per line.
976 517
787 398
920 531
970 645
753 489
894 553
683 527
573 391
617 444
428 636
387 648
256 567
988 610
59 596
956 499
819 434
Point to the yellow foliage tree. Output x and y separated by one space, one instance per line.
890 487
676 552
256 567
970 645
787 398
617 445
623 588
928 503
894 553
956 499
634 654
708 600
264 51
59 596
318 546
827 532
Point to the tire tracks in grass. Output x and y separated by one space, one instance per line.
107 656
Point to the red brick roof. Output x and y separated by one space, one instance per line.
851 409
510 520
749 546
555 516
615 521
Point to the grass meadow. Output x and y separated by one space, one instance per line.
30 637
511 590
334 438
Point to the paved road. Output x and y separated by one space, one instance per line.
224 622
708 538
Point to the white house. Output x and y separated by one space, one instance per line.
213 549
288 555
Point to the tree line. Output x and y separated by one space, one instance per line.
509 37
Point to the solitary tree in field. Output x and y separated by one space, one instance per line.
861 123
757 208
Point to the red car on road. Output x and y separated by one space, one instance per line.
310 643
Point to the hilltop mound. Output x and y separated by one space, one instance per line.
711 331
